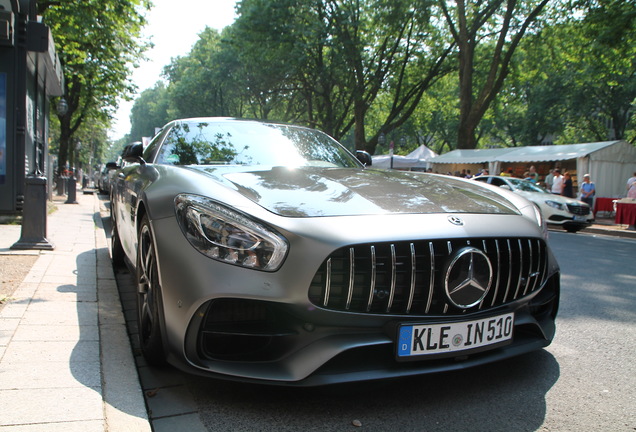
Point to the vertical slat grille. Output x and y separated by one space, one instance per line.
407 278
579 209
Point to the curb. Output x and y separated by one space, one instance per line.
124 403
623 233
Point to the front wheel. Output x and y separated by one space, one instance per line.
149 298
116 249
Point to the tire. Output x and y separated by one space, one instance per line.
116 249
149 299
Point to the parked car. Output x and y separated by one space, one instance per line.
571 214
105 177
267 252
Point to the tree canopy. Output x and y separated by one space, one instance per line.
451 74
98 42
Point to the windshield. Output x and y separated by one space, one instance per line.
229 142
526 186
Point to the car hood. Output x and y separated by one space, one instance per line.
540 197
312 191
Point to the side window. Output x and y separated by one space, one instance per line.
497 182
150 153
169 151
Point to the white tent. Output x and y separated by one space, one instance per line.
417 159
422 153
609 163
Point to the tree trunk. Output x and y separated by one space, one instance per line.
359 112
65 138
466 138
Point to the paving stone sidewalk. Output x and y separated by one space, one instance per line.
65 358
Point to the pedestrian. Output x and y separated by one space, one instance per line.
588 190
568 186
548 180
631 187
557 182
533 175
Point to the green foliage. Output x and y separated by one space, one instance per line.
575 81
149 112
435 72
323 63
98 43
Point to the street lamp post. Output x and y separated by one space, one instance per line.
72 181
62 109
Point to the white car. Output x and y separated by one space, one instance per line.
573 215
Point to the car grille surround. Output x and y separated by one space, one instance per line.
409 277
581 210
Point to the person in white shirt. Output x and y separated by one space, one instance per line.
557 182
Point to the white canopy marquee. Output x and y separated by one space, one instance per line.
609 163
418 159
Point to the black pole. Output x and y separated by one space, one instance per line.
33 234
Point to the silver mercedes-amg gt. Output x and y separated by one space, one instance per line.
268 252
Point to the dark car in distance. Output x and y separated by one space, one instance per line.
105 177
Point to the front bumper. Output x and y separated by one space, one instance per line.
289 349
227 322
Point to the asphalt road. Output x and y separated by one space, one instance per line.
584 381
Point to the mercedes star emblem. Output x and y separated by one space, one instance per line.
468 277
456 220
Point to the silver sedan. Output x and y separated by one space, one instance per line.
268 252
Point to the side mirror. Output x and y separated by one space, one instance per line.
364 157
134 153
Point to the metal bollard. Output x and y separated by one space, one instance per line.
33 234
60 185
72 191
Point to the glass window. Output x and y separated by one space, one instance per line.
151 151
526 186
498 182
251 143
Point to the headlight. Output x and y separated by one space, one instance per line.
541 220
555 204
226 235
533 212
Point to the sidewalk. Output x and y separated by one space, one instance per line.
65 357
607 226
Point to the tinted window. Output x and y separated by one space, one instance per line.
151 150
526 186
251 143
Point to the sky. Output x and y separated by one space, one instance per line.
173 30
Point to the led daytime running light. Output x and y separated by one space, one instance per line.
228 236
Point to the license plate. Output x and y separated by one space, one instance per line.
579 218
449 338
